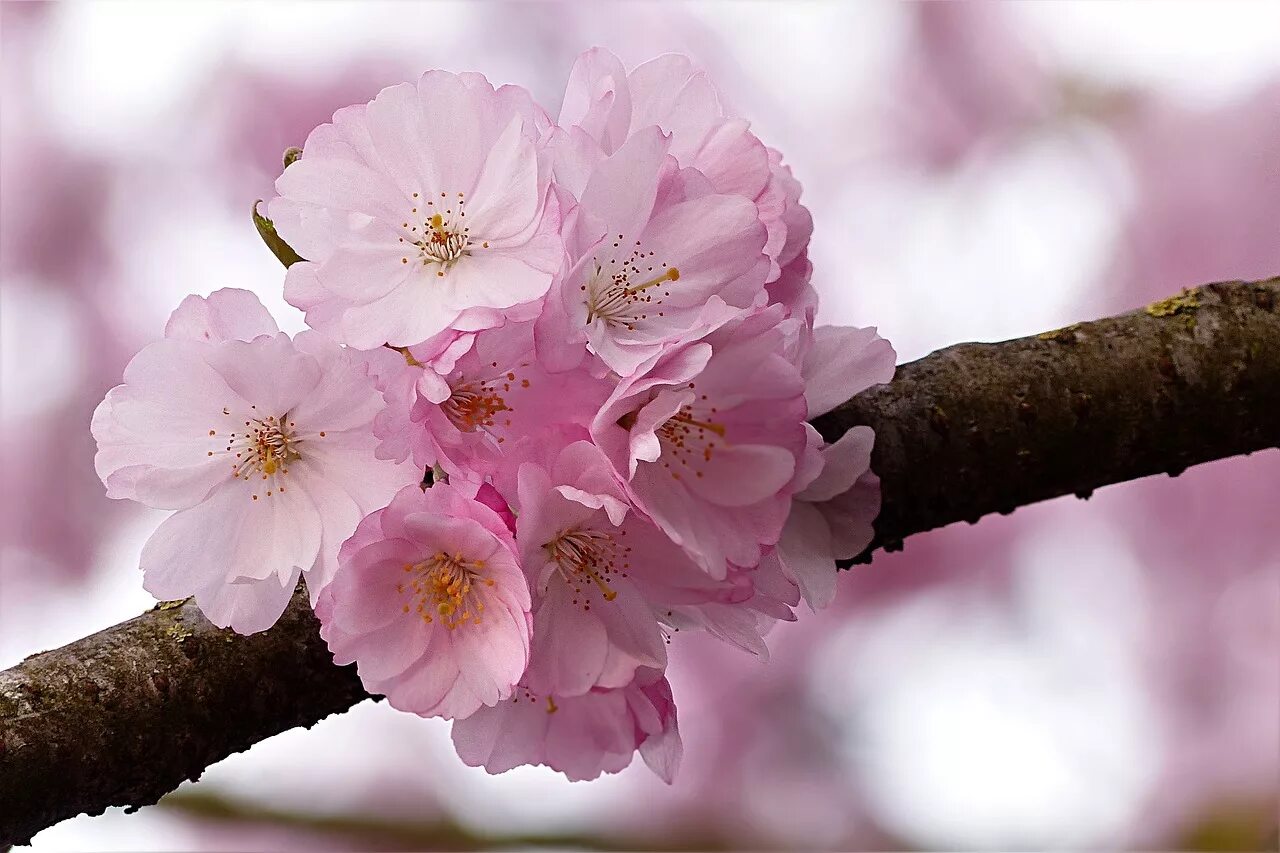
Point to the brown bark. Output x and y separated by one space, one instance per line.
980 428
124 716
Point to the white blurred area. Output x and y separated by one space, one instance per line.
983 715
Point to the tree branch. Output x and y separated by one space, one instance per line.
124 716
980 428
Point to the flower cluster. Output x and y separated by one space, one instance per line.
594 336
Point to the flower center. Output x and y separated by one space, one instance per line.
475 404
446 587
263 450
437 227
688 439
622 293
592 557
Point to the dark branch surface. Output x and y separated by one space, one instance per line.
980 428
124 716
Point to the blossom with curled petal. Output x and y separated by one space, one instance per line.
650 245
493 392
602 577
580 736
430 603
262 444
609 104
422 211
836 495
706 453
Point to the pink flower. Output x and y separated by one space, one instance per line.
263 445
581 736
421 211
651 246
794 290
493 392
610 105
431 604
706 454
602 577
837 497
842 362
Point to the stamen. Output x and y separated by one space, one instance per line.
444 239
688 440
593 555
446 587
475 404
614 299
262 451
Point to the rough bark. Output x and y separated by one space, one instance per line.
124 716
980 428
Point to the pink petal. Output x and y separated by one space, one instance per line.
269 373
844 362
228 536
227 314
507 196
405 316
246 608
807 554
343 185
740 475
843 463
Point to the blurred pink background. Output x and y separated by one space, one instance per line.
1100 674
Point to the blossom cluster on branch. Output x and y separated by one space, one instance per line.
595 334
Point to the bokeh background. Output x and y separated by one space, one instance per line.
1100 674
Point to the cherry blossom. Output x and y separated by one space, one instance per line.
602 578
609 104
651 246
431 604
836 495
550 415
421 211
261 443
706 455
494 391
581 736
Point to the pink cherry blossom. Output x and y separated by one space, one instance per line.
602 577
837 497
421 211
260 442
581 736
706 455
793 289
842 362
494 391
600 339
430 603
650 246
610 105
769 596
